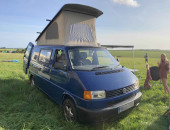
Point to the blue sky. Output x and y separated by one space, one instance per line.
143 23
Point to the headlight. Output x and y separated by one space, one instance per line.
136 85
88 95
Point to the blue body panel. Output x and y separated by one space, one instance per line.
57 83
107 82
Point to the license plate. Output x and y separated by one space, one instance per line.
125 107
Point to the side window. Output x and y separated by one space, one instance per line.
28 51
45 56
60 59
35 56
60 56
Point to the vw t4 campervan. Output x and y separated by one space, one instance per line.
68 65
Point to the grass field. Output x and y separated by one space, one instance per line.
24 107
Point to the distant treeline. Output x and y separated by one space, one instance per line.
12 50
151 50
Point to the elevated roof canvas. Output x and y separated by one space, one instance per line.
83 9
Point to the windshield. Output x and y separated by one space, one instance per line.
91 59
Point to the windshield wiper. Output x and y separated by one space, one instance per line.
99 67
116 66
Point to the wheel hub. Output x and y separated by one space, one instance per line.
68 113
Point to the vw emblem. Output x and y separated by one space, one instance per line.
124 90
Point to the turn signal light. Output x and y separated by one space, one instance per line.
87 95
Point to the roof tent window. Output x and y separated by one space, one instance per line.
52 31
81 33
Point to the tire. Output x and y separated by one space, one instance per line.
69 110
32 82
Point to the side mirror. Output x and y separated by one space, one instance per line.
60 65
118 59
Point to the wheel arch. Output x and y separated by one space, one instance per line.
68 96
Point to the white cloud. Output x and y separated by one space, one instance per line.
132 3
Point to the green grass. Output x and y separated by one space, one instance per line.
139 54
25 107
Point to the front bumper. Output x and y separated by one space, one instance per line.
98 115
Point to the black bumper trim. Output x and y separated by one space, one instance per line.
99 115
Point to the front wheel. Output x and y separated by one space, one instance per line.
69 110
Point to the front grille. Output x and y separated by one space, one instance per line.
121 100
121 91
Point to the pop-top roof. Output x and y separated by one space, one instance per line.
77 8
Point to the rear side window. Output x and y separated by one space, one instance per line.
45 56
35 56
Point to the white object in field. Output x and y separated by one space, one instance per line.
134 70
71 27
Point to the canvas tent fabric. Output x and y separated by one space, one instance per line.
74 25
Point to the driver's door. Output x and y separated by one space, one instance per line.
27 57
59 77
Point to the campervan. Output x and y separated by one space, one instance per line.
68 65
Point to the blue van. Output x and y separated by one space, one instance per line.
86 81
